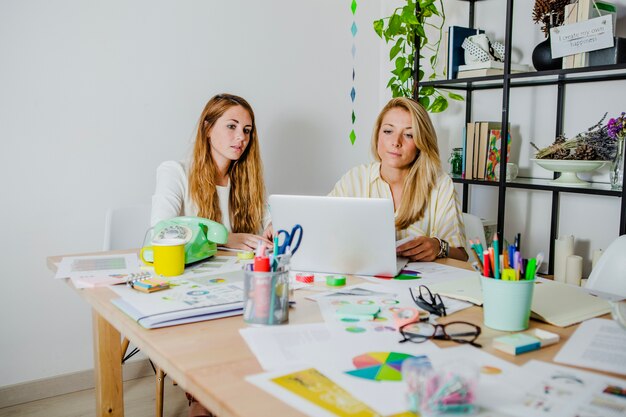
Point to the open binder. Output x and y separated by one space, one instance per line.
190 300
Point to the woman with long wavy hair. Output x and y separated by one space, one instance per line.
223 181
408 171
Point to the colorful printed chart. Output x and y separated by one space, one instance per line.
379 366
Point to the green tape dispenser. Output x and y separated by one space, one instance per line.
201 236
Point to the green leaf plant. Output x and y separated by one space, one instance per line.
406 25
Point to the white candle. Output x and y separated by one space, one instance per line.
573 270
563 247
596 257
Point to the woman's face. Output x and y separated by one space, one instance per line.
396 147
230 135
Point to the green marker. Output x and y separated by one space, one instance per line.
530 269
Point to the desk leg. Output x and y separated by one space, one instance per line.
107 368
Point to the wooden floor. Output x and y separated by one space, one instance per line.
138 402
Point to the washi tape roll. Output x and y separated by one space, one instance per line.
245 255
335 280
305 278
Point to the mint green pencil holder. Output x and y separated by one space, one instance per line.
506 304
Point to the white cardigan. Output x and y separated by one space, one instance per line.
172 198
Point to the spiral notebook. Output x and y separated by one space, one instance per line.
146 282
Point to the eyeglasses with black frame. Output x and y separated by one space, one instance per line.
429 302
455 331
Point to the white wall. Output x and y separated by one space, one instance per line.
96 94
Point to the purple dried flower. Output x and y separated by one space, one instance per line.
617 127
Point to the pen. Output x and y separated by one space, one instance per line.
275 260
480 264
261 262
496 255
486 264
505 258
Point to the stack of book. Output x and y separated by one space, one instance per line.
483 69
482 150
456 53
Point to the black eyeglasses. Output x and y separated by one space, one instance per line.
429 302
456 331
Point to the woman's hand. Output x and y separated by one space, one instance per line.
247 241
421 248
268 233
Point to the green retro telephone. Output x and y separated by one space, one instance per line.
200 235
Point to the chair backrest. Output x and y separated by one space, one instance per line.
609 275
473 229
125 227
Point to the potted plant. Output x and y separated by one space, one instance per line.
406 29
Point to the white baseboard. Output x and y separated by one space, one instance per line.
64 384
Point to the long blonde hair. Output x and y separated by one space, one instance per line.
426 168
247 192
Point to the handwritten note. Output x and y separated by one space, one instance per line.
589 35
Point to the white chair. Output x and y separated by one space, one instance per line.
609 275
125 228
473 230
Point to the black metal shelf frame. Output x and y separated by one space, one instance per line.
506 82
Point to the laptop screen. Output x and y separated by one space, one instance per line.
341 235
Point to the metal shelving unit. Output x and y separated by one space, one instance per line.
508 81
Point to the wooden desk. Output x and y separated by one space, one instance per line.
210 359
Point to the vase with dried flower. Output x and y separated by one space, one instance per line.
550 13
587 151
616 128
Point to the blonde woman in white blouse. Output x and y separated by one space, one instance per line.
408 171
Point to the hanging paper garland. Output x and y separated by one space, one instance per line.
353 29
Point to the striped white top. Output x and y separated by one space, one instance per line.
442 218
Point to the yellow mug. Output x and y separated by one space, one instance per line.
168 255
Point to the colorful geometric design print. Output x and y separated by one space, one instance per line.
379 366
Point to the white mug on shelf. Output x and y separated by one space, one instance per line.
511 171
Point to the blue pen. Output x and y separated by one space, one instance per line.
275 254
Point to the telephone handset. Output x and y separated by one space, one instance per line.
201 236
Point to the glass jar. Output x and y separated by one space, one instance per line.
456 162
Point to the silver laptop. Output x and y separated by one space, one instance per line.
341 235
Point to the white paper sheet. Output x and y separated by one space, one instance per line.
388 397
101 266
362 289
364 331
276 347
553 390
378 290
596 344
429 272
211 265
